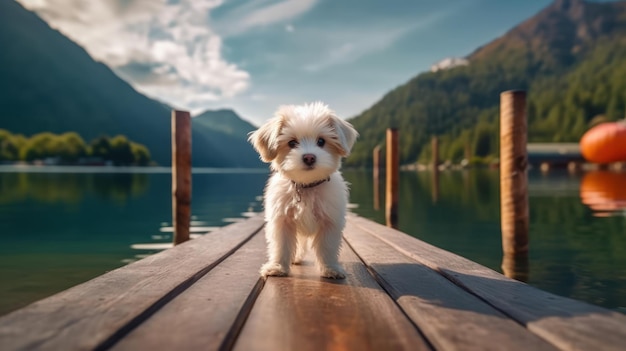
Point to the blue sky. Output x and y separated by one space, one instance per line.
253 56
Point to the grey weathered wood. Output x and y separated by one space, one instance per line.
202 316
97 312
566 323
449 317
306 312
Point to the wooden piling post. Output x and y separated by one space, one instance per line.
513 175
515 267
376 176
181 175
468 152
434 143
393 169
434 185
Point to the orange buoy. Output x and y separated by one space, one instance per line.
605 143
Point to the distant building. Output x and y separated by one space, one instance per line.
448 63
555 154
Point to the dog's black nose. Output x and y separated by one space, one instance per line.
308 159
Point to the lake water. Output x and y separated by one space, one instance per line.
61 228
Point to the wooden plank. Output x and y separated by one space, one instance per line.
305 312
202 316
95 314
566 323
448 316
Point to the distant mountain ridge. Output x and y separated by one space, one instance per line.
561 32
225 121
49 83
570 57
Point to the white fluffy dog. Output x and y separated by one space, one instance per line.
306 196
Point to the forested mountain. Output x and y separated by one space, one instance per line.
50 84
570 57
225 121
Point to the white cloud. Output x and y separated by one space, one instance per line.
164 49
262 13
351 43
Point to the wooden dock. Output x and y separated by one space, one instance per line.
554 154
400 294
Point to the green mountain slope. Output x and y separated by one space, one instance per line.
48 83
224 121
571 57
232 131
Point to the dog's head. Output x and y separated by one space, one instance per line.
304 142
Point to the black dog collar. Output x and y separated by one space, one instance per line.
300 186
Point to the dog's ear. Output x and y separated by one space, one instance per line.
346 133
265 139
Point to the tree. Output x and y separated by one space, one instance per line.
482 140
39 146
9 146
121 151
72 147
100 147
141 155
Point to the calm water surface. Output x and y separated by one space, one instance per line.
577 225
59 229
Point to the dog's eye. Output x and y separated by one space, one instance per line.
293 143
321 142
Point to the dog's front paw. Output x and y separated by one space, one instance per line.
333 272
274 269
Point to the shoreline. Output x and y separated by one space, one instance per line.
26 168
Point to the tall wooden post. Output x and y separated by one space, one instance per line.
513 178
393 169
434 185
376 176
181 175
434 143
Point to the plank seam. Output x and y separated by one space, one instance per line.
165 299
233 333
447 276
390 292
549 337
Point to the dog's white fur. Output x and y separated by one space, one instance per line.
313 216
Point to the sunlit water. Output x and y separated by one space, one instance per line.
62 228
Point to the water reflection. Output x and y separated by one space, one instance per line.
572 253
516 267
70 188
61 229
604 192
224 198
435 185
49 243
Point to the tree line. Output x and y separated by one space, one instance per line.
70 148
461 105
